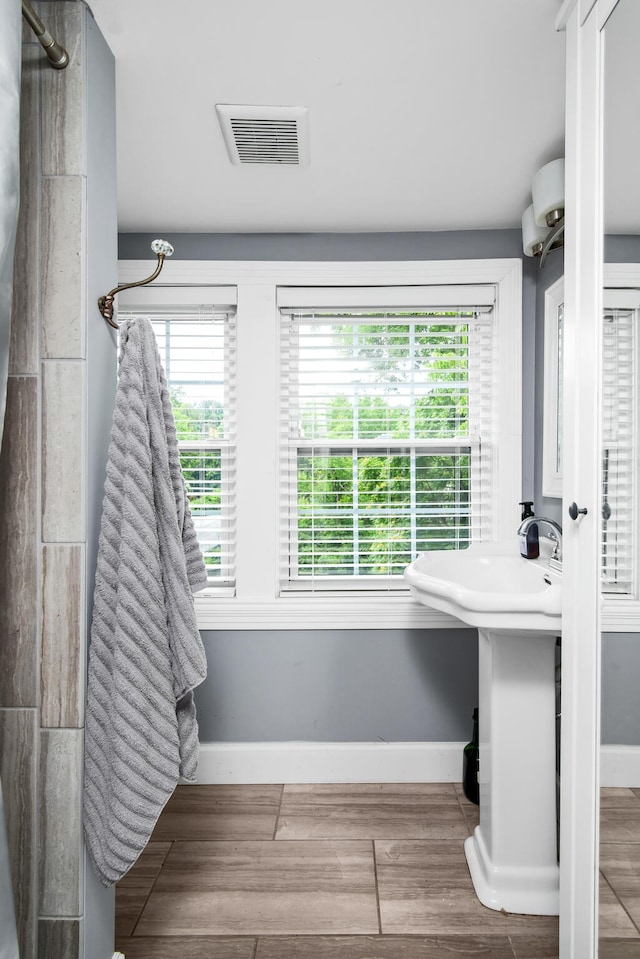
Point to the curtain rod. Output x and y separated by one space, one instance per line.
58 56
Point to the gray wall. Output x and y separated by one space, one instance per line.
622 249
620 715
348 685
102 231
339 686
328 246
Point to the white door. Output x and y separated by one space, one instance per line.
581 489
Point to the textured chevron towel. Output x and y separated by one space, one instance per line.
146 655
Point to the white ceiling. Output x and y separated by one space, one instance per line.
423 114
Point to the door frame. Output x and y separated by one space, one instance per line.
582 403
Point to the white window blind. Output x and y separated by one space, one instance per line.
619 458
386 430
196 341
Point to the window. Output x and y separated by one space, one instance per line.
196 341
386 442
619 442
428 428
553 370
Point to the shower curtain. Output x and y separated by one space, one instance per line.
10 53
10 56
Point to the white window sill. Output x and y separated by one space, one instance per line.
321 612
400 611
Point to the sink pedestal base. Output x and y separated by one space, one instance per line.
512 855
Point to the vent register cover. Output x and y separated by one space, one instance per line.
265 135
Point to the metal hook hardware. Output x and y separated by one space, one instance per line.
105 303
58 56
574 512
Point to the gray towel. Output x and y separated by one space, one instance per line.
146 655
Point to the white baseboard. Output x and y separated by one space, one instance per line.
306 762
620 766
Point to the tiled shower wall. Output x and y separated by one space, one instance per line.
43 516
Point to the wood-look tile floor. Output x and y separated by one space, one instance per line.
345 872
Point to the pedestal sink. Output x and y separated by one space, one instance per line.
516 605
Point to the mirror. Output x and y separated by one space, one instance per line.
552 418
620 560
619 931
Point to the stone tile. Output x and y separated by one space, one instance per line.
62 670
618 949
385 947
18 752
18 548
619 828
63 121
59 938
425 888
133 889
28 36
371 811
471 817
471 814
614 921
470 811
24 354
620 865
146 869
62 267
619 815
462 799
129 904
535 947
182 947
263 888
220 812
63 443
619 797
61 755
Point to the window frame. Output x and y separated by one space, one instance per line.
257 604
552 409
473 308
147 300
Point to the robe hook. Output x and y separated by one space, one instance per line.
162 248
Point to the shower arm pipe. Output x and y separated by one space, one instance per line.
162 249
58 56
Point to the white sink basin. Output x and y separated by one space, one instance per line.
491 586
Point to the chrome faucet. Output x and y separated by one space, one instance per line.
554 533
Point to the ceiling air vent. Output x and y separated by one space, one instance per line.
266 135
